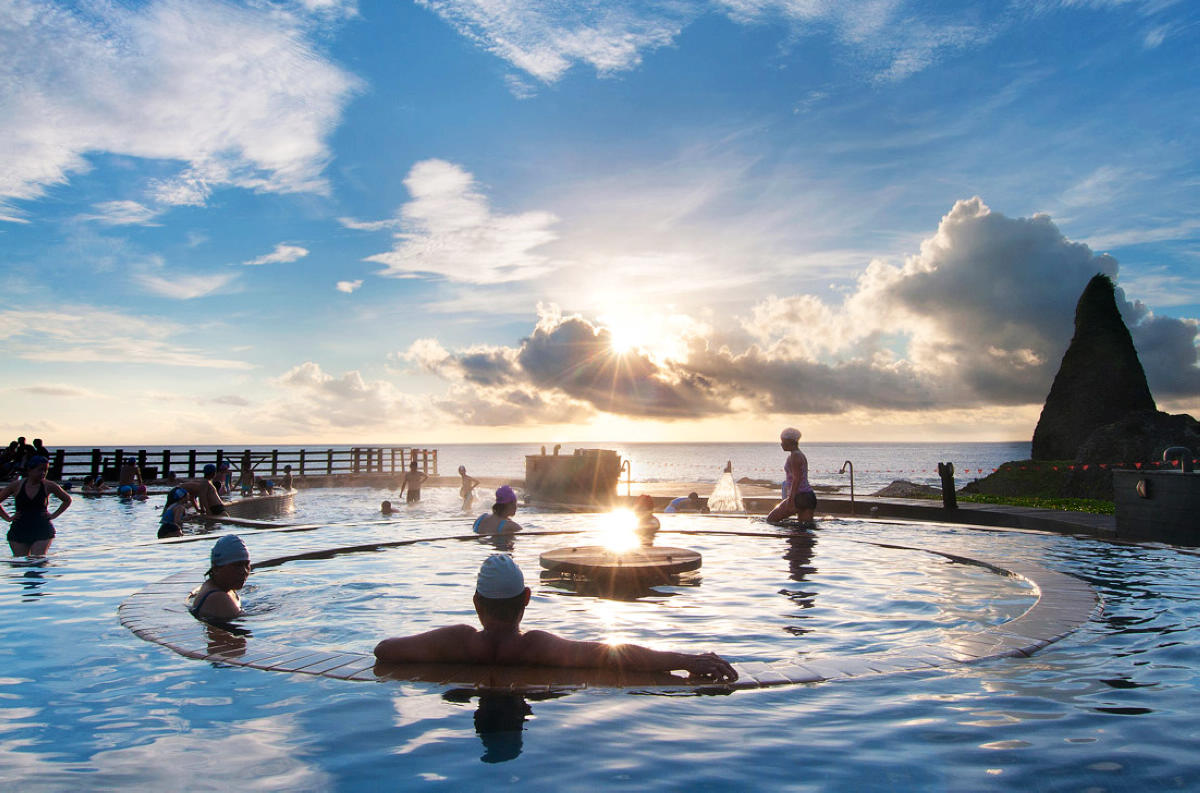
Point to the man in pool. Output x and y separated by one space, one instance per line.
204 492
500 600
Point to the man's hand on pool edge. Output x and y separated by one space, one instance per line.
711 666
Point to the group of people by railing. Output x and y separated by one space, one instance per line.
16 457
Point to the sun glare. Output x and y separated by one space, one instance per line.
617 530
641 329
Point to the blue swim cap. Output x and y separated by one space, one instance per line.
125 491
210 469
178 493
229 550
37 461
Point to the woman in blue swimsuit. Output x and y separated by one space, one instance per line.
498 521
217 598
31 529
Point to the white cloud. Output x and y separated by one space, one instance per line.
450 230
544 39
239 95
370 225
981 315
92 335
349 287
184 287
59 390
122 213
283 253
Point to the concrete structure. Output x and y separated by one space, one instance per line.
1158 506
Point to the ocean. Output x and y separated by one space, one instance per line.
875 464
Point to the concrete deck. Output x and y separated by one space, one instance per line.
760 500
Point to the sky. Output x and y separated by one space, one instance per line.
465 221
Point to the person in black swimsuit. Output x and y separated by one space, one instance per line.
31 529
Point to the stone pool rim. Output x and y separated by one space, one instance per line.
1063 603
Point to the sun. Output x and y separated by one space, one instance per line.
643 330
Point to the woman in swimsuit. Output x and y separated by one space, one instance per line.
798 496
217 598
497 521
467 489
171 523
32 530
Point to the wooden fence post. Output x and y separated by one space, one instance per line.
166 465
274 463
191 469
329 461
96 458
302 462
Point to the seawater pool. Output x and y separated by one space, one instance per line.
85 703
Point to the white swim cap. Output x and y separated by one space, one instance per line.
790 434
499 578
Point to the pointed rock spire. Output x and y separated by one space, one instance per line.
1099 382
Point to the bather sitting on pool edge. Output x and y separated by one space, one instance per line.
500 600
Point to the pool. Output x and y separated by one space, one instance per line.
85 702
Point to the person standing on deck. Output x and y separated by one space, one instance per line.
31 529
413 481
798 496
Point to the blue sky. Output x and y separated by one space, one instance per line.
329 221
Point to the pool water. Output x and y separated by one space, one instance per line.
85 703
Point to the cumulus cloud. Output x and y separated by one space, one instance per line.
349 287
88 334
980 316
318 400
449 229
239 95
283 253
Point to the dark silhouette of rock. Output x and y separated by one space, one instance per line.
1100 381
1140 437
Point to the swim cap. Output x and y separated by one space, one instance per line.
499 578
505 495
228 550
210 469
790 434
178 493
125 490
37 461
224 464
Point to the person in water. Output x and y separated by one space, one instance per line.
691 503
413 481
204 492
32 527
643 508
173 514
467 488
500 600
386 508
798 496
217 598
287 477
499 520
130 474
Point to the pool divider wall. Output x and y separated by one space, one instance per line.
157 613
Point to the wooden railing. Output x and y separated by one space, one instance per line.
189 464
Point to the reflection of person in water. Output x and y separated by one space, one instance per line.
647 525
500 600
799 555
499 722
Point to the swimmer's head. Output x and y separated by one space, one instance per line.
644 503
229 550
125 491
210 469
386 508
790 434
225 465
499 578
462 469
36 462
505 495
693 495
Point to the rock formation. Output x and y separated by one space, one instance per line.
1100 381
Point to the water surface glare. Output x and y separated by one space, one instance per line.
84 702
